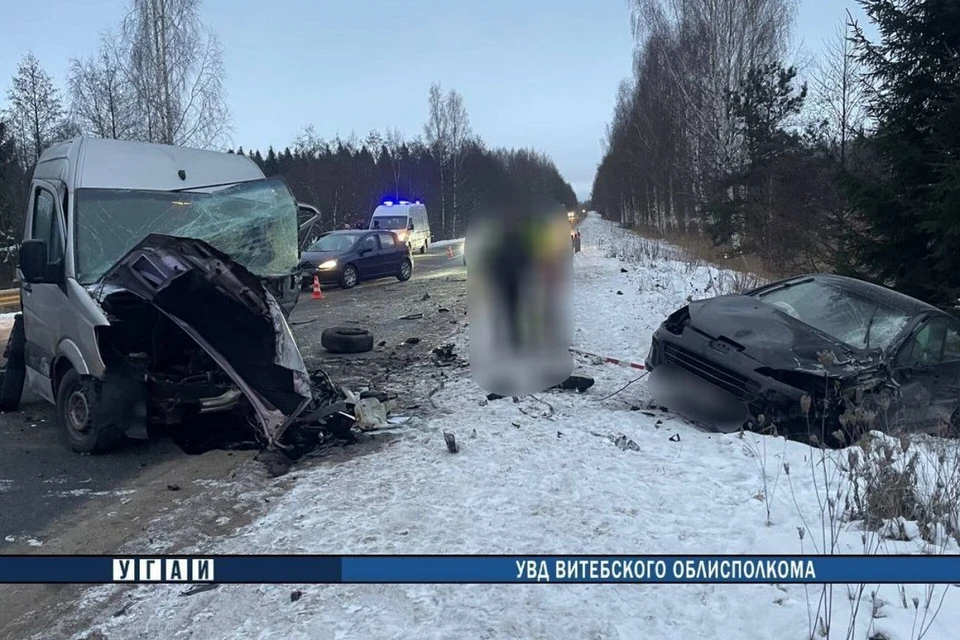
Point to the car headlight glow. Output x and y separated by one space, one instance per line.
402 235
329 264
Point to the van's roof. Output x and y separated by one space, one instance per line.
120 164
397 208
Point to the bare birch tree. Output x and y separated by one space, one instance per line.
102 102
713 45
35 111
436 130
461 134
176 67
394 142
839 89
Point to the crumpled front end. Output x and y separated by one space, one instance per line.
226 311
766 377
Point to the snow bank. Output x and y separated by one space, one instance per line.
544 476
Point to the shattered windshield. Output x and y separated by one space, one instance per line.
255 223
842 315
335 242
390 222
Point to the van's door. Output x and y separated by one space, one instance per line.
43 304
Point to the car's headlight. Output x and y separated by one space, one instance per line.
402 235
329 264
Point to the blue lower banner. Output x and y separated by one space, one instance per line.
459 569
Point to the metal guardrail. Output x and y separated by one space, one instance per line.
9 300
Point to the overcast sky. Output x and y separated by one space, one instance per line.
533 73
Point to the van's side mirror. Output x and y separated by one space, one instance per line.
410 227
33 261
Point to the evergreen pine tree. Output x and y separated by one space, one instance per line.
909 198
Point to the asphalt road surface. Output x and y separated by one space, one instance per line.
55 501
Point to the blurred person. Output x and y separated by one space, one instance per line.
517 288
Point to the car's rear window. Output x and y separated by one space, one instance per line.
845 316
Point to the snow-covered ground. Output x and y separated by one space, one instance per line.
545 476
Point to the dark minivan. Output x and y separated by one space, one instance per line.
347 257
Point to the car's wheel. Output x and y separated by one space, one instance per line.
406 270
11 387
84 424
346 340
423 248
350 277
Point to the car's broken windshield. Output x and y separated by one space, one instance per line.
255 223
842 315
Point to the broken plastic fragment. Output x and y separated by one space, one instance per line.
370 414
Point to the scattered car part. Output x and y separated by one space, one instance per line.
370 414
576 383
346 340
451 441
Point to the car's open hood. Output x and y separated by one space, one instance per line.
772 337
226 310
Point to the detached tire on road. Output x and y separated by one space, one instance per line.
85 424
11 385
346 340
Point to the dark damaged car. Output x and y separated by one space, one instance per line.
818 358
153 293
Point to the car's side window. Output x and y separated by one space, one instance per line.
45 225
370 242
387 241
951 344
926 346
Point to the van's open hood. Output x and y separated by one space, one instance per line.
227 311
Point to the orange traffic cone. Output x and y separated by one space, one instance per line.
449 252
317 293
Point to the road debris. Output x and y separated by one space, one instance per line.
412 341
625 443
173 487
370 414
451 441
346 340
576 383
444 354
295 595
412 316
200 588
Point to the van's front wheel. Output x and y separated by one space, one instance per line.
83 424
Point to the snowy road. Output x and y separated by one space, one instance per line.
544 476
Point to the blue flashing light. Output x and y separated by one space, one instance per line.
404 202
389 203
